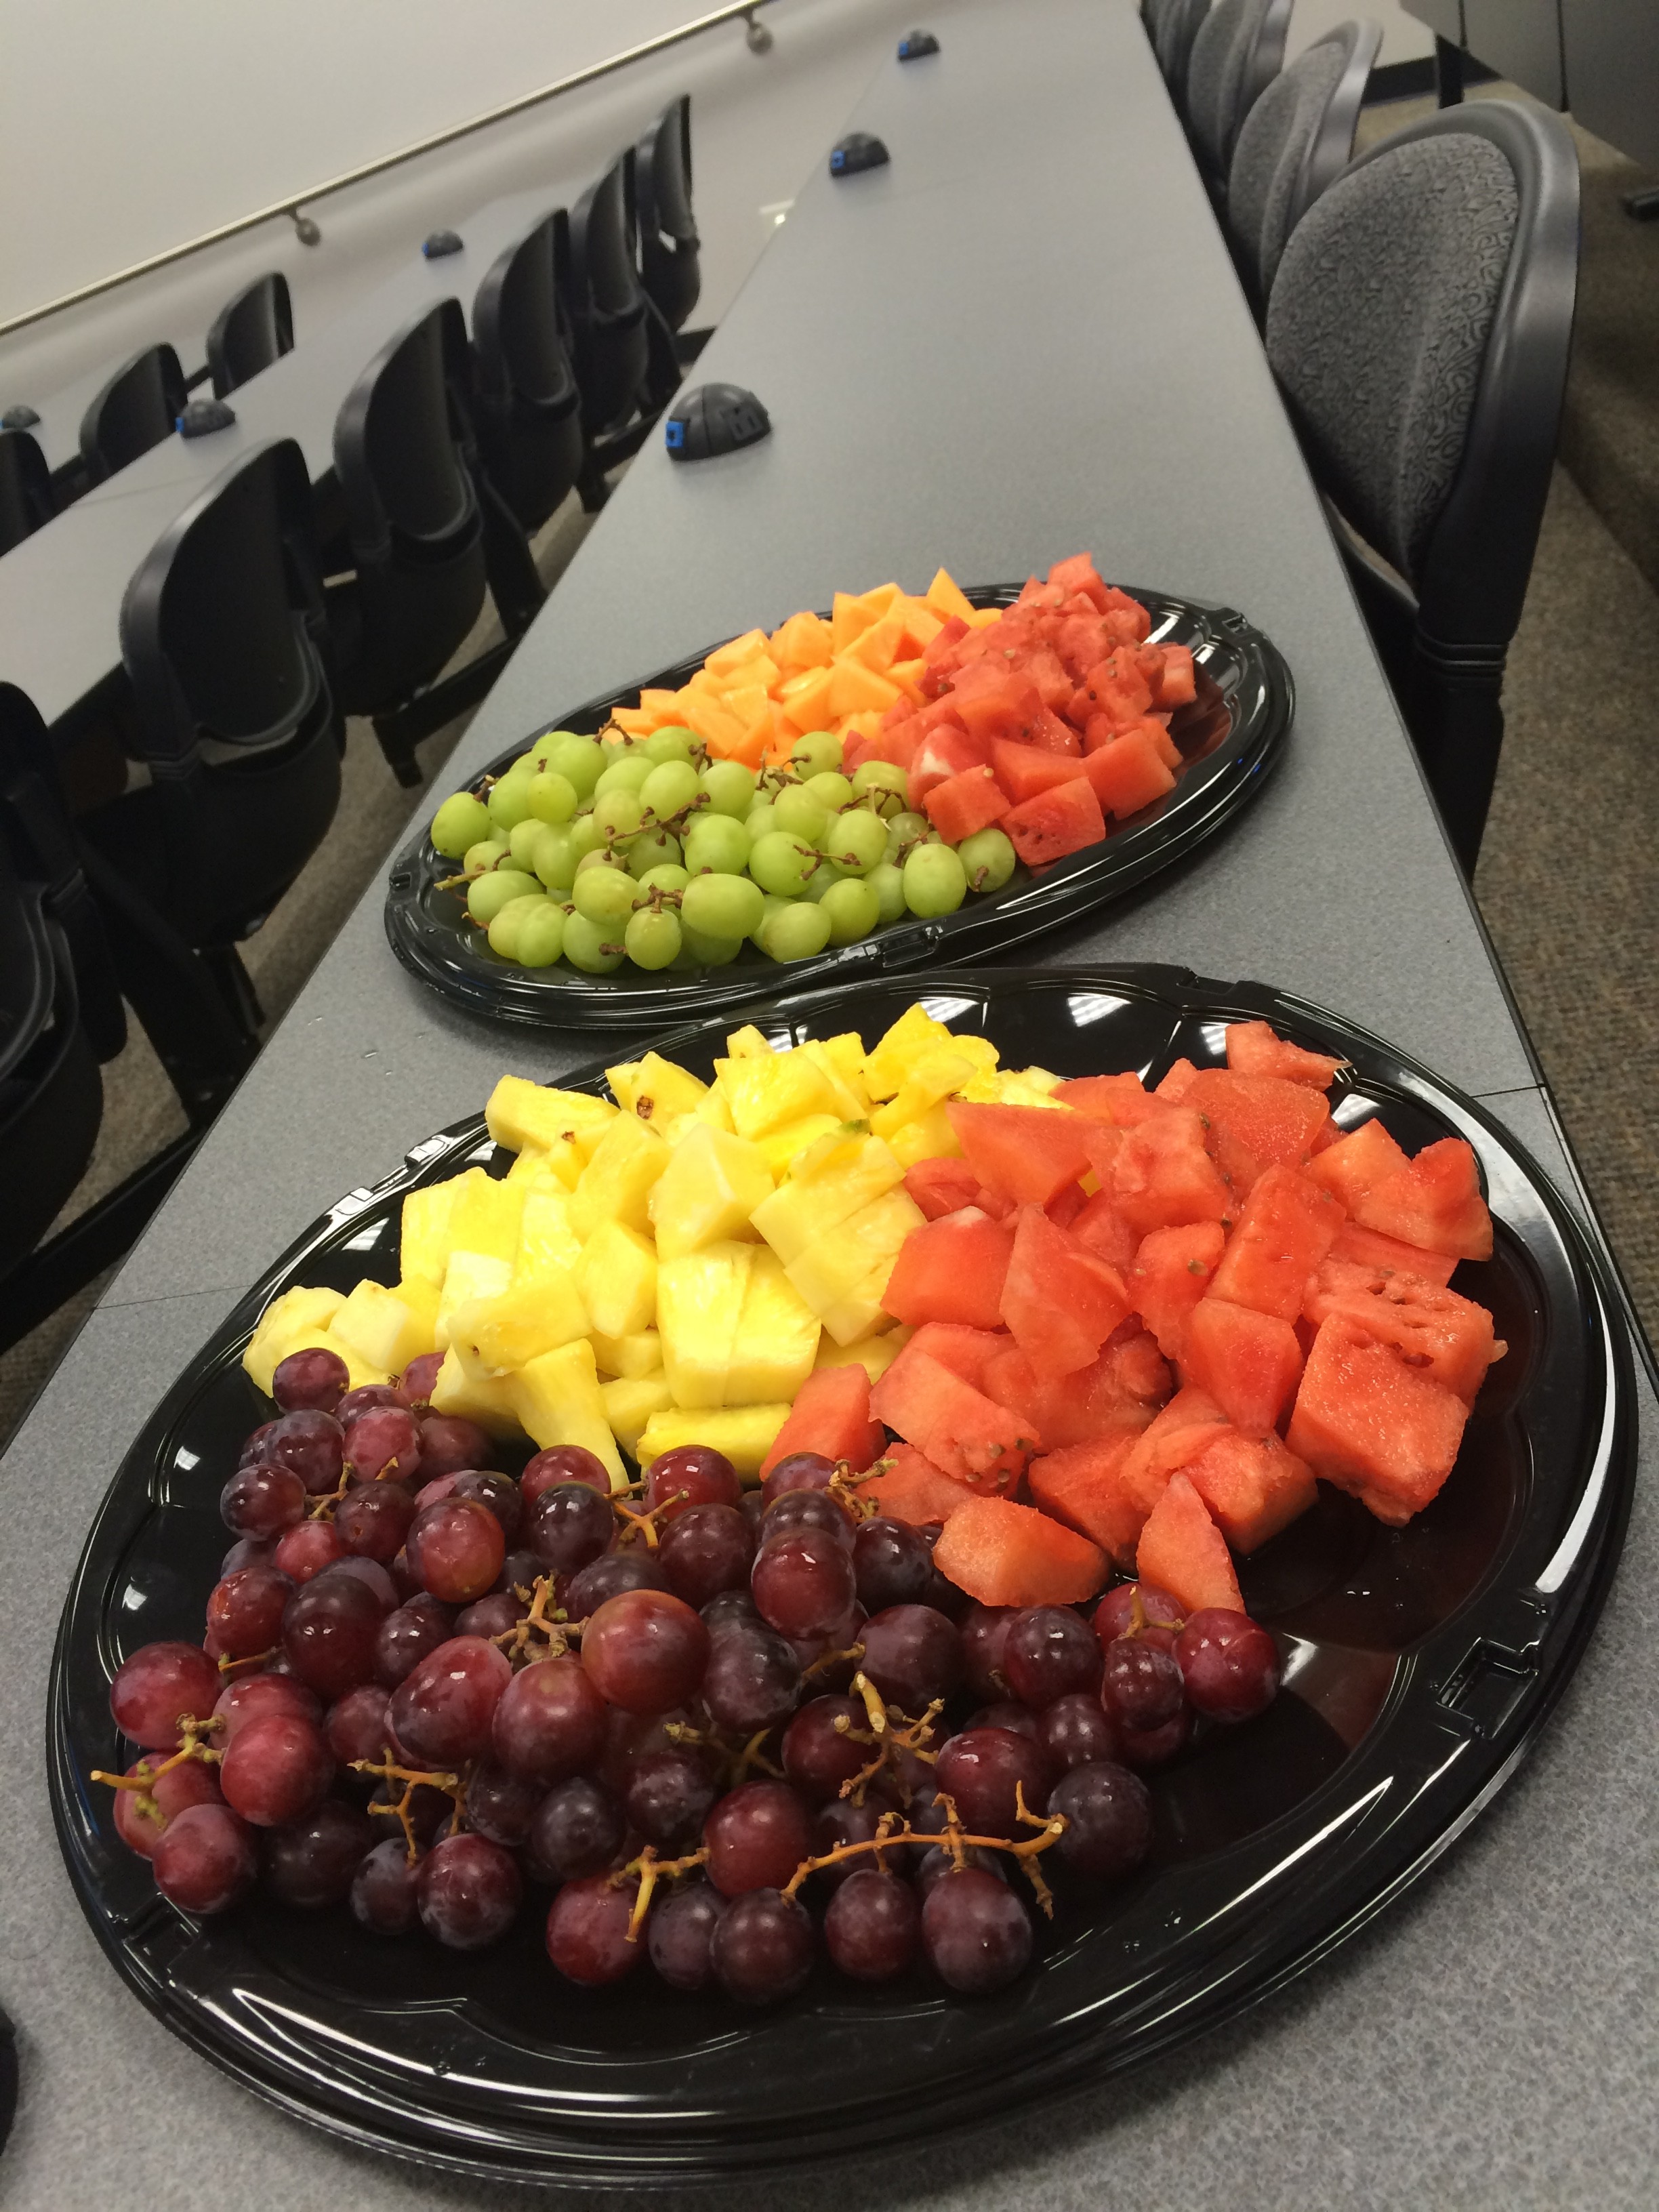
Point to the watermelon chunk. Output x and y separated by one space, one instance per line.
1250 1363
942 1186
1128 774
1104 1398
1100 1226
1176 1081
1367 1248
1352 1167
1060 1300
1077 572
1435 1201
965 803
946 752
1373 1425
1287 1226
1027 1153
966 1352
906 1487
951 1423
1164 1177
830 1415
1183 1552
1254 1049
1172 1270
1182 1432
1065 820
1444 1336
1006 1554
1122 1100
1256 1121
1252 1487
1079 1484
1177 682
1024 770
952 1269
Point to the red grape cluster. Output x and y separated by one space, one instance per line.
730 1731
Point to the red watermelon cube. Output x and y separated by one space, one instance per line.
905 1486
1100 1226
1367 1248
1354 1166
1252 1487
1181 1551
1006 1554
1100 1399
965 803
1182 1432
1080 1486
830 1415
1372 1425
1060 1300
1122 1100
1024 770
1253 1048
1127 774
1434 1200
1256 1121
965 1352
1177 683
1171 1271
951 1423
1442 1335
1250 1363
944 753
951 1270
1065 820
1164 1177
1026 1153
1287 1226
941 1186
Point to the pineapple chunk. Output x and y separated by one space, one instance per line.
485 1216
487 1400
781 1146
700 1298
1009 1086
914 1033
743 1433
384 1331
777 1337
617 1278
712 1184
492 1336
841 1059
547 1242
929 1137
875 1354
426 1240
521 1112
556 1168
421 1298
747 1043
470 1275
558 1401
831 1182
767 1094
628 1358
615 1184
299 1317
837 1267
630 1403
935 1076
654 1090
860 1313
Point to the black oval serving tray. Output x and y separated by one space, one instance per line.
1231 734
1421 1662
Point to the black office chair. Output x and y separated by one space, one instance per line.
415 522
668 233
1295 141
610 326
1419 325
26 494
1237 53
137 408
249 332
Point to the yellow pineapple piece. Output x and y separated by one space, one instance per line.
777 1337
699 1298
485 1216
470 1275
420 1297
831 1180
914 1032
781 1147
487 1400
860 1313
840 1059
712 1184
297 1318
743 1433
765 1093
381 1329
521 1112
615 1184
833 1274
558 1401
493 1336
424 1230
935 1075
628 1358
1010 1086
875 1354
630 1403
747 1043
617 1278
654 1090
558 1168
929 1137
547 1242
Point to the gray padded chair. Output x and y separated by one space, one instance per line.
1238 52
1419 325
1172 27
1296 140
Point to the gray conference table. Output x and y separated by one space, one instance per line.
1022 338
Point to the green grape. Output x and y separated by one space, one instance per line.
618 814
599 857
490 893
461 821
759 820
989 858
669 788
935 881
509 800
652 937
887 882
555 856
586 834
653 848
710 951
853 907
818 750
630 774
730 787
885 784
771 904
822 879
578 760
668 879
722 906
781 864
717 843
795 810
607 895
594 950
903 830
523 840
798 934
541 935
544 745
484 854
856 841
552 797
831 790
674 742
504 929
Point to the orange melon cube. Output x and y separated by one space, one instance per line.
849 618
879 599
921 625
908 675
878 646
664 705
854 687
725 657
945 596
804 700
803 642
637 721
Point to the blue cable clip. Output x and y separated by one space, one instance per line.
674 434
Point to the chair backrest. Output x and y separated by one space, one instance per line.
1172 41
1297 139
250 331
400 438
605 300
26 497
527 407
668 233
1254 57
137 408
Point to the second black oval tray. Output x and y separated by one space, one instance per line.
1232 735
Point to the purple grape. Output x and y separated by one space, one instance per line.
680 1933
578 1830
501 1806
569 1525
311 1863
610 1575
467 1891
668 1797
1108 1820
1050 1652
761 1949
1141 1688
872 1926
891 1564
705 1549
382 1889
975 1932
315 1378
913 1654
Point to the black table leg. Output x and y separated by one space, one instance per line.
1449 72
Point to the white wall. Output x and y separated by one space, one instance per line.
125 129
1404 38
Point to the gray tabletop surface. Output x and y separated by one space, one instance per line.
1022 338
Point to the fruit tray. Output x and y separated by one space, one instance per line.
1232 734
1420 1661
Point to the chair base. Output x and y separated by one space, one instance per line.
1449 72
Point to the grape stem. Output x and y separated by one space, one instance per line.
515 1641
647 1871
843 1488
193 1747
645 1524
740 1759
454 1786
892 1733
952 1837
828 1659
229 1666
